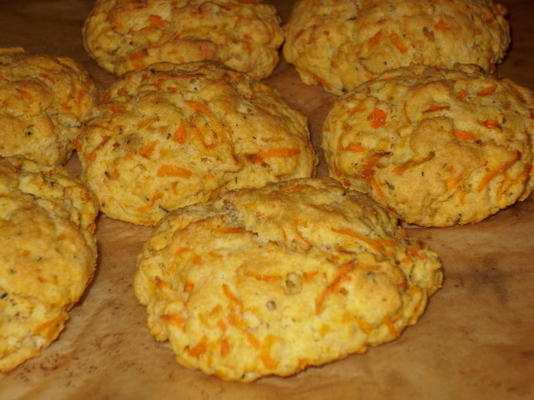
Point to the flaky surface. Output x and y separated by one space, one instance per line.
342 43
126 35
440 147
45 101
272 280
47 255
174 135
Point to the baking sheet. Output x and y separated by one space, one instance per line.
475 341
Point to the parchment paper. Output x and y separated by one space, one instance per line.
475 341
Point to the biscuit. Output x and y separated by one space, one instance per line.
45 101
47 255
343 43
439 147
274 279
126 35
174 135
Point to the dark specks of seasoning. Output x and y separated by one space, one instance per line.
12 271
293 283
3 295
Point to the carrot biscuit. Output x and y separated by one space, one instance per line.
439 147
126 35
343 43
272 280
47 255
45 101
174 135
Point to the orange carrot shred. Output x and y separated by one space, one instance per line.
462 94
148 149
170 170
268 361
179 134
441 25
174 319
397 42
487 91
225 347
339 278
355 147
229 230
377 118
490 124
199 349
493 173
195 105
189 286
156 20
434 108
375 38
463 135
228 293
276 152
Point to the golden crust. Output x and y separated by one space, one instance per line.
439 147
45 101
343 43
47 255
126 35
272 280
174 135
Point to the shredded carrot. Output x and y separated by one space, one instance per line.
490 124
377 118
156 20
463 135
28 96
462 94
170 170
189 286
434 108
340 277
391 327
195 105
174 319
220 323
276 152
268 361
148 149
355 147
228 293
377 187
375 38
308 276
161 284
253 340
441 25
487 91
138 56
296 188
377 244
225 347
492 174
47 324
229 230
397 42
199 349
179 134
196 259
263 277
181 251
368 168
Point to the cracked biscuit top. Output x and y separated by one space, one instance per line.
126 35
173 135
439 147
274 279
341 43
45 101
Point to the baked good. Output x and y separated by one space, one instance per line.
343 43
173 135
439 147
126 35
45 101
47 253
274 279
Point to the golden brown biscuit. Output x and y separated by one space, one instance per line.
272 280
45 101
126 35
439 147
174 135
343 43
47 255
